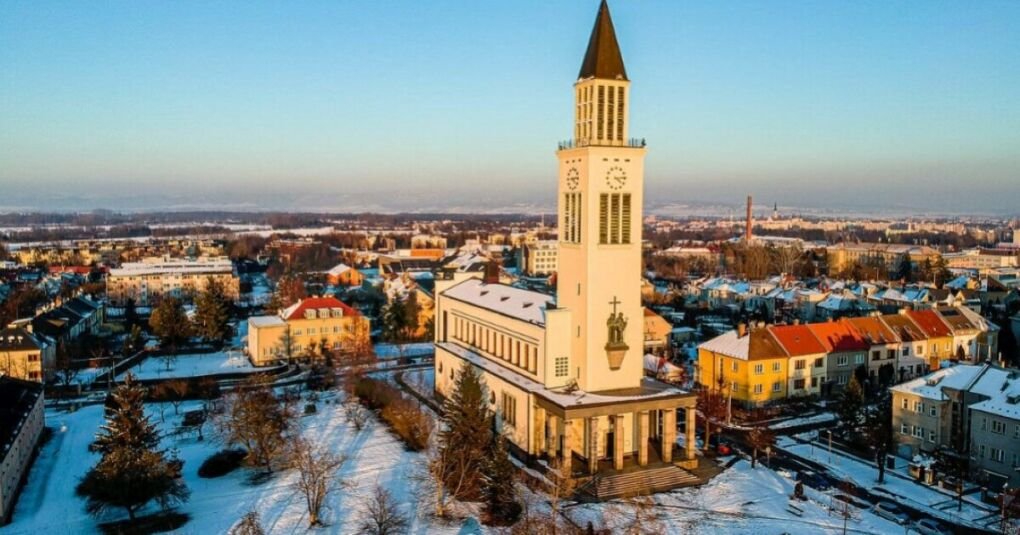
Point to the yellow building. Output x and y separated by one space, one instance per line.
750 367
566 376
23 355
305 326
148 281
656 330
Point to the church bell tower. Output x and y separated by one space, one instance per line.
599 197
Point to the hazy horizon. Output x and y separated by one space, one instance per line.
874 107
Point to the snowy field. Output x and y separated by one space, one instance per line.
938 503
192 365
49 505
820 418
742 501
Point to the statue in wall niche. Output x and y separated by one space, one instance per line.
616 348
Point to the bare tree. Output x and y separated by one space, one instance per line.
249 525
176 390
355 413
382 515
317 476
761 438
257 420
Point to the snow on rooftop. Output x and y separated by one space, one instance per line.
729 344
930 386
524 305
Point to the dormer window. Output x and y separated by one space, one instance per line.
310 314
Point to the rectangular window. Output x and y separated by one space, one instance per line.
918 406
600 116
842 360
776 366
903 405
759 369
798 384
611 115
933 411
509 408
614 220
814 382
931 436
604 218
876 355
619 113
799 364
625 219
918 431
998 455
777 386
757 389
904 429
733 366
842 379
998 427
562 366
906 351
819 362
859 359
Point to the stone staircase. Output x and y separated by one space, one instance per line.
651 480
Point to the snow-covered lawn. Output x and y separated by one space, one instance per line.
393 351
742 501
192 365
938 503
374 456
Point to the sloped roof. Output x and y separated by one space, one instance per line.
603 58
930 323
838 336
762 345
874 331
956 320
728 344
904 327
798 340
297 310
524 305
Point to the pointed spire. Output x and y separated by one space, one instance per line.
603 58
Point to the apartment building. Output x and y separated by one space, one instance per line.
883 350
542 257
26 355
750 366
807 367
21 426
846 349
148 281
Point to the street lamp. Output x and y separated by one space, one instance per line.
830 445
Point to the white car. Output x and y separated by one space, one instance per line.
891 511
929 526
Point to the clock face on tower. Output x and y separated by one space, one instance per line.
573 178
616 178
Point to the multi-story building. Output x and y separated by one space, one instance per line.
888 255
566 377
912 361
846 352
807 367
25 355
148 281
938 335
541 257
751 367
964 332
883 350
344 275
304 326
21 427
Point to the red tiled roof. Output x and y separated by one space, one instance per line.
297 310
874 331
762 345
838 336
930 323
797 339
904 327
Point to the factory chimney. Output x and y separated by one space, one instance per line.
750 221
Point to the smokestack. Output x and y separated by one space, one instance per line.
750 221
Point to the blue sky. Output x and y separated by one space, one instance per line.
341 104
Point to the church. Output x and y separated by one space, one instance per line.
566 374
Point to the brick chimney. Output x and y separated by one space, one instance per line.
750 221
491 273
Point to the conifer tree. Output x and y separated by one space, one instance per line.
212 313
851 405
467 426
501 505
171 325
132 471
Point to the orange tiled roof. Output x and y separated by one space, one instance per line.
762 345
904 327
838 336
930 322
798 340
874 331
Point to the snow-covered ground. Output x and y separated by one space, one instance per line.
374 456
742 501
824 417
192 365
937 502
392 351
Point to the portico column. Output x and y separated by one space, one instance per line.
642 437
538 431
566 453
618 442
552 445
593 444
691 436
668 434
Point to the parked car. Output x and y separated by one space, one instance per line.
891 511
813 480
929 526
721 445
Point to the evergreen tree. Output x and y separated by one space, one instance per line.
132 471
212 313
130 313
851 406
170 323
394 317
501 505
466 434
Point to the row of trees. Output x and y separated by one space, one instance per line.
211 321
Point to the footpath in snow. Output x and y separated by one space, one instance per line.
192 365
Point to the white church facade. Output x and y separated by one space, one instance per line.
566 374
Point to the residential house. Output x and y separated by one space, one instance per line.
305 326
344 275
912 360
657 331
939 336
807 359
751 367
26 355
884 349
846 350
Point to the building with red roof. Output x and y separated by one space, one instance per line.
315 327
807 370
847 351
883 351
939 345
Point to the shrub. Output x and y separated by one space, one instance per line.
222 463
407 420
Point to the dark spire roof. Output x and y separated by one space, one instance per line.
603 58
